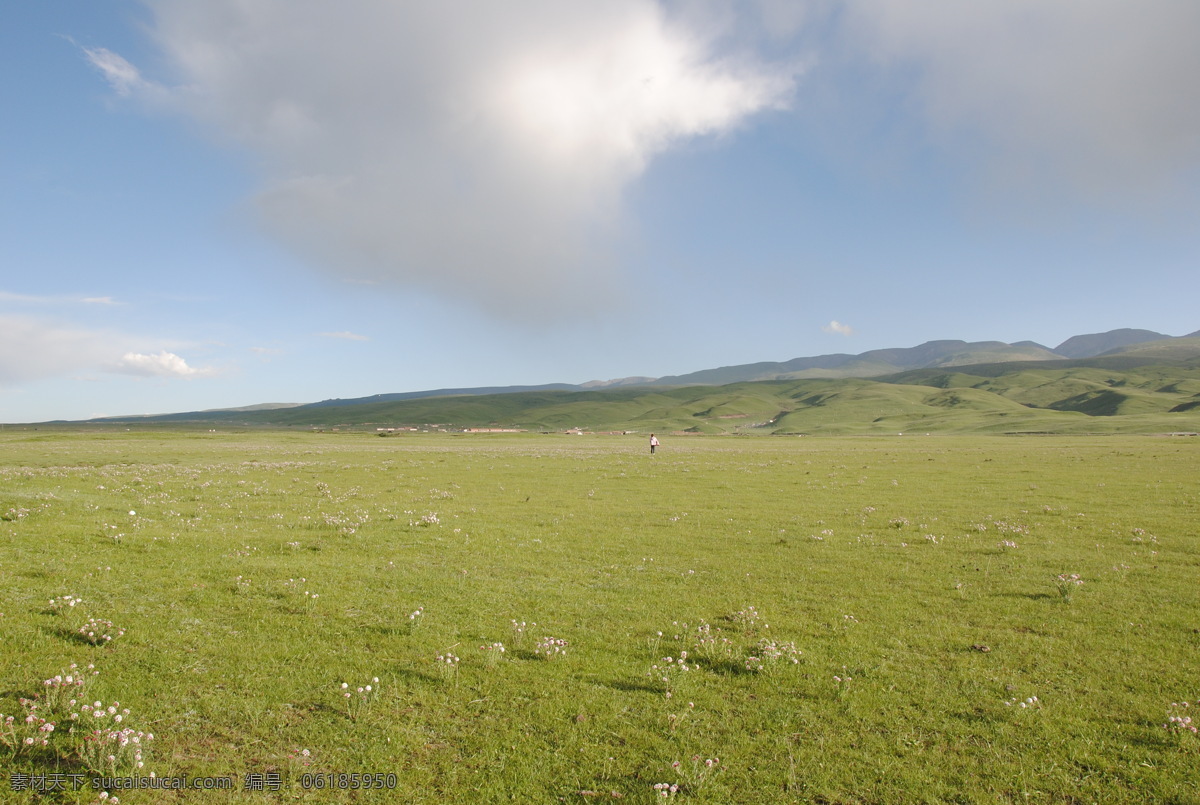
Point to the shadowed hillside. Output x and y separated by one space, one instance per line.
1132 381
1101 395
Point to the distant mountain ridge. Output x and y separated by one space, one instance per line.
870 364
936 354
1088 346
1118 349
1104 394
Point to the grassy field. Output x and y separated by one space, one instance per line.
1018 398
865 620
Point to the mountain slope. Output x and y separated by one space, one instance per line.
1087 346
876 363
1101 395
949 385
869 364
1169 349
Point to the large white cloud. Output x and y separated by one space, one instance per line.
471 147
482 149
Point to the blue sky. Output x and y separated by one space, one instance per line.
218 204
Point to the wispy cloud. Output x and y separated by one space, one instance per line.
123 77
20 298
42 299
349 336
33 348
836 327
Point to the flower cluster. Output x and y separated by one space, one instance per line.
97 710
14 513
1179 724
66 685
707 641
22 733
109 747
666 789
748 620
426 520
1025 704
64 603
360 699
842 683
698 772
1066 584
447 665
703 640
551 647
414 617
767 654
98 632
302 757
493 652
1007 544
669 667
347 524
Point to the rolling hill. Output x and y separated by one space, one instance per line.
997 398
1145 384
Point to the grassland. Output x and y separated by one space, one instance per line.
1101 396
938 655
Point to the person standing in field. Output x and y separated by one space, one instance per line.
653 443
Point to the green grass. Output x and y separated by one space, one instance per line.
1015 397
881 559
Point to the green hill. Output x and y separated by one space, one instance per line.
1168 349
1122 393
868 364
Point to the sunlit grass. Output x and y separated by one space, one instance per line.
916 582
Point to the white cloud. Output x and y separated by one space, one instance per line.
20 298
349 336
161 364
33 348
475 148
836 327
1096 97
